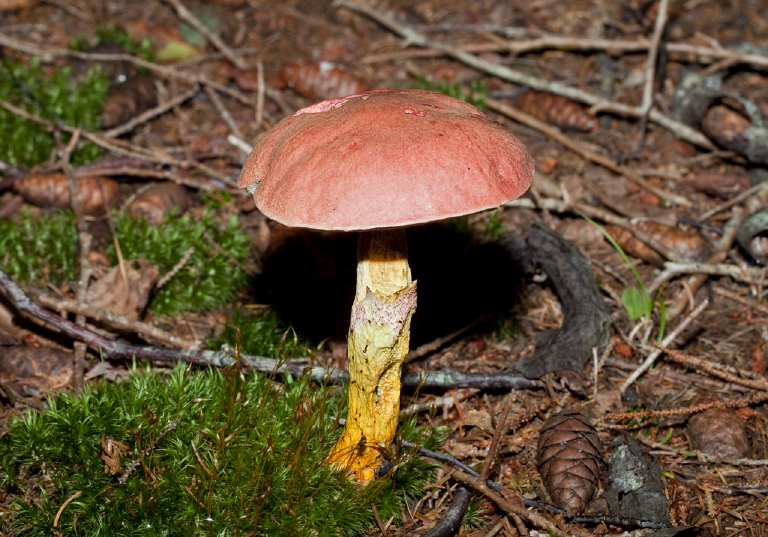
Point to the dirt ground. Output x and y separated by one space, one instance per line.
650 117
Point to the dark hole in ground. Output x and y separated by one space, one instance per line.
310 279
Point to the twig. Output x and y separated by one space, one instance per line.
636 231
412 37
755 398
128 471
681 51
692 284
672 270
427 348
451 521
225 115
189 17
755 191
260 93
47 54
493 449
742 300
557 135
120 147
84 241
508 506
439 402
649 361
118 350
64 506
699 365
151 114
176 268
114 320
650 72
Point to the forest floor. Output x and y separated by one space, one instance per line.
648 117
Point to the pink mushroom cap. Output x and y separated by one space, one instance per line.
384 158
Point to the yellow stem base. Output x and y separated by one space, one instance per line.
379 334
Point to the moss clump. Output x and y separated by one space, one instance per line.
53 97
212 274
113 33
260 334
474 95
42 249
38 250
245 458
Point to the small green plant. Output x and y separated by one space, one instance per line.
474 95
476 514
39 250
215 453
494 227
635 298
262 334
52 97
212 274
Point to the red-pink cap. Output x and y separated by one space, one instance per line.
385 158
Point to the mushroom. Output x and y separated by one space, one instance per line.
376 162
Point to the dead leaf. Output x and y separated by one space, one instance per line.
113 293
478 418
30 370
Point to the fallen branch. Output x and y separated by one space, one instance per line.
679 51
115 350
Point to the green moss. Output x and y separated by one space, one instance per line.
42 249
113 33
212 274
474 95
259 334
39 250
51 97
245 458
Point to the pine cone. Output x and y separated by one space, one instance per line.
569 460
718 432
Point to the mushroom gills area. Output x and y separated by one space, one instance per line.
379 333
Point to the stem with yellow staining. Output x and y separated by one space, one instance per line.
379 334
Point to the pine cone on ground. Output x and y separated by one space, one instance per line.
569 460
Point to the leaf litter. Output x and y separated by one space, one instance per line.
694 191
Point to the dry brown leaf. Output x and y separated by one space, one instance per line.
52 190
478 418
569 460
718 432
156 201
320 81
113 293
41 368
127 100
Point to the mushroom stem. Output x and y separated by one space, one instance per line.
379 332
